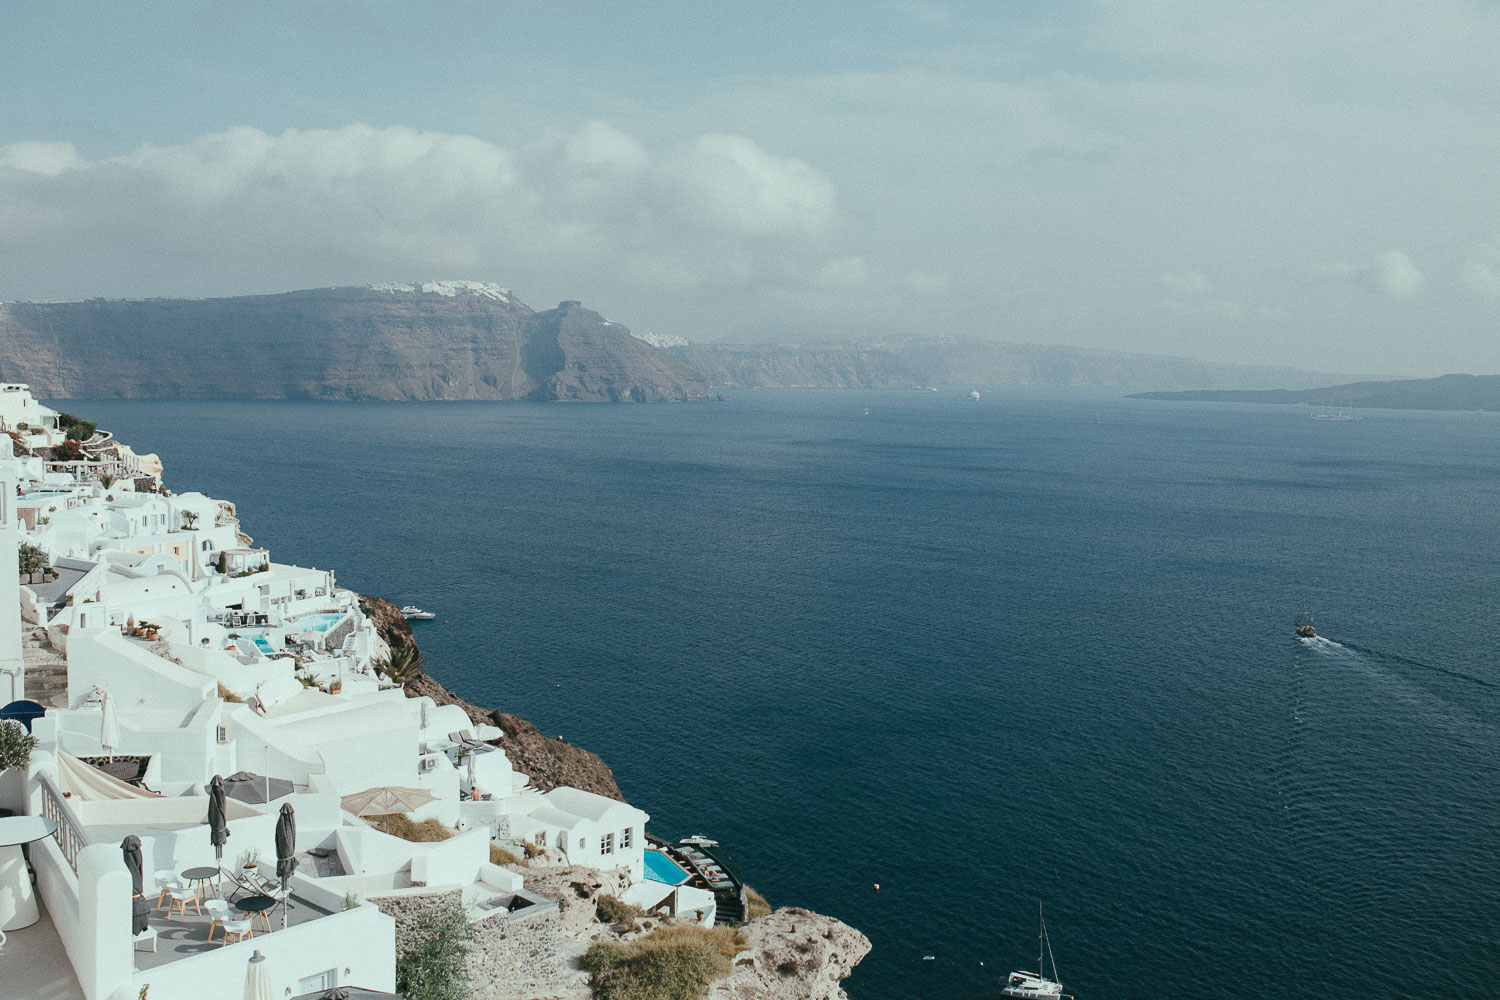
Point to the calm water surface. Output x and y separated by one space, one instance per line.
978 653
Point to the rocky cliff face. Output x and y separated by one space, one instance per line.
912 362
439 340
549 762
793 954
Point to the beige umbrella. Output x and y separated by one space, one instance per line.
258 978
386 799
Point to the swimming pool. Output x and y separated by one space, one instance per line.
660 868
317 623
262 645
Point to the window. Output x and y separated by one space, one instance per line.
625 840
325 980
607 844
541 838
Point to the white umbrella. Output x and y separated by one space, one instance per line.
473 781
258 978
109 726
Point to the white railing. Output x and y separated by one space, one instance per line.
70 836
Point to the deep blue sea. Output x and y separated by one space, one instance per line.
979 653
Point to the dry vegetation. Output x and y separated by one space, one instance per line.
612 910
755 904
670 963
500 856
400 825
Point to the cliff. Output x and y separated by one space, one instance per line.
549 762
912 362
438 340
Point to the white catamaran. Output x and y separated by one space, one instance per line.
1034 985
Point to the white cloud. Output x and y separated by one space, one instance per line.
927 282
1481 272
1394 274
595 205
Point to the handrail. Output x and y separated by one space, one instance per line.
70 836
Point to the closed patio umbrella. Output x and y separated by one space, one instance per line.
109 726
348 993
286 853
139 909
218 821
258 978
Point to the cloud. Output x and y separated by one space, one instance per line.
717 210
1192 291
1480 274
1394 274
927 282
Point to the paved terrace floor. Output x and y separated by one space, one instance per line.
33 963
182 937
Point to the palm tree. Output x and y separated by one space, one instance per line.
401 664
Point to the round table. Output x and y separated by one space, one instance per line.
203 873
257 904
17 900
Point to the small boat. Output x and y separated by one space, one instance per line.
974 395
412 612
1304 626
1034 985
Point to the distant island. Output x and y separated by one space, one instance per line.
1447 392
473 340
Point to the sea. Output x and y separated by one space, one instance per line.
1036 647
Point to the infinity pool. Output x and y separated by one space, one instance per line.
316 623
660 868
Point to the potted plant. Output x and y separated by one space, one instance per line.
16 744
250 861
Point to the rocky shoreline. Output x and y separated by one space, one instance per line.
550 762
790 954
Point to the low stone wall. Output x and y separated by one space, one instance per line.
518 956
512 957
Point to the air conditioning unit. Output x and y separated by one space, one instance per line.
223 734
428 763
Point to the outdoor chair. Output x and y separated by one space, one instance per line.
252 884
238 929
145 940
218 914
180 899
166 881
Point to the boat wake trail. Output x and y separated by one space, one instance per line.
1405 662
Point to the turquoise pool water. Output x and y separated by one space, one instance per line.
316 623
262 645
660 868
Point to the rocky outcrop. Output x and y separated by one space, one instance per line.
549 762
793 954
438 340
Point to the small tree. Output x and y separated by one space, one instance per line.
189 520
31 560
432 968
16 745
401 664
106 480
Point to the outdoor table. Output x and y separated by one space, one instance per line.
17 900
257 904
201 874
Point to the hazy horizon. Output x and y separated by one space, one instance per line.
1259 184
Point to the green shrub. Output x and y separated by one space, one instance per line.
432 968
76 428
16 745
671 963
612 910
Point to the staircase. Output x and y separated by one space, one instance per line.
46 673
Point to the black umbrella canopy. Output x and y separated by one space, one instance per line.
256 789
130 847
286 842
218 822
348 993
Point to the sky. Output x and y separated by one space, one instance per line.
1304 184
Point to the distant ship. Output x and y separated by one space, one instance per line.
413 613
974 395
1304 626
1034 985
